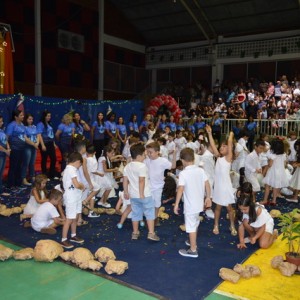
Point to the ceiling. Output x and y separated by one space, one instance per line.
162 22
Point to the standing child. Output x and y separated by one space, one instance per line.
97 178
253 166
38 196
105 167
256 220
295 181
171 146
194 185
137 189
156 166
223 190
4 151
72 199
46 218
276 176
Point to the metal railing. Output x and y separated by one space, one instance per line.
271 127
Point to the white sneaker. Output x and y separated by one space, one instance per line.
210 214
92 214
291 200
106 205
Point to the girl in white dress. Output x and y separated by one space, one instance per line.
295 181
254 219
223 191
37 196
276 176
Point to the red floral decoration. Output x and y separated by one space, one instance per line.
166 100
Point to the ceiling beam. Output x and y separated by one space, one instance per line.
199 25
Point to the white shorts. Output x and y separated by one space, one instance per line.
38 227
191 222
87 190
156 196
72 209
270 226
253 179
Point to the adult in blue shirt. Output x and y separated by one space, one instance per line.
121 132
98 134
64 135
30 150
199 124
80 126
47 144
110 126
172 124
17 139
133 124
251 127
4 152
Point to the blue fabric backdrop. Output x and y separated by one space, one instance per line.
88 109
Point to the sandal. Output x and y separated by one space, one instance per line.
83 222
216 229
233 231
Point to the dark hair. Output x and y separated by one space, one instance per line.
55 194
247 201
137 149
259 142
98 121
154 145
26 117
162 140
43 118
179 163
277 146
131 117
79 145
187 154
16 113
90 149
297 149
75 156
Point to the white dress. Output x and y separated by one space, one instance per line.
295 181
223 193
32 205
276 175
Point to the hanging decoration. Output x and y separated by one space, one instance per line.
164 100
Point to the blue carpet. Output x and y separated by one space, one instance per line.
154 267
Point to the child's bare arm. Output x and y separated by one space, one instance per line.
179 193
141 187
207 202
77 184
229 155
211 141
125 187
37 197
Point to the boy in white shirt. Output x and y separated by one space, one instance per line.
180 142
47 218
253 166
72 199
171 146
91 189
156 166
194 186
137 189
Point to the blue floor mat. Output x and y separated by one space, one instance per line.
153 266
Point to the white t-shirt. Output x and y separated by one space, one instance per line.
193 179
81 177
156 168
163 151
171 147
133 171
44 216
71 193
92 166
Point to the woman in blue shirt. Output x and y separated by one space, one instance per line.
64 135
80 125
121 132
17 140
98 134
4 152
250 126
133 125
30 150
47 145
111 126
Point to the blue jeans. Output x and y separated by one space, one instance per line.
2 167
29 162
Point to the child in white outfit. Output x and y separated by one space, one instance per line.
72 199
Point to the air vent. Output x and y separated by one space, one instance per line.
71 41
